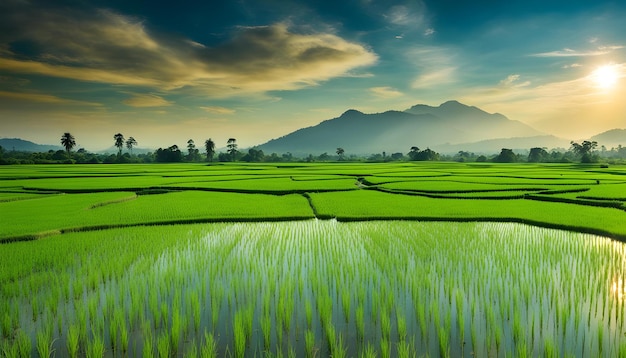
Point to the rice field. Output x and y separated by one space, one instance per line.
312 260
315 288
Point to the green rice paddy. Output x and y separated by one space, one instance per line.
330 259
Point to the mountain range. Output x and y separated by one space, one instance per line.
448 128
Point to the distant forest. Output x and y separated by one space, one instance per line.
585 152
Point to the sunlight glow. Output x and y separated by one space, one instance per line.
605 76
618 289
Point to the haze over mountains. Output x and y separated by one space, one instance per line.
448 128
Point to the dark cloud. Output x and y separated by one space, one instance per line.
108 47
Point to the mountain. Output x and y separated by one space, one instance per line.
22 145
611 138
397 131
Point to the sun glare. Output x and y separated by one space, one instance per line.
605 76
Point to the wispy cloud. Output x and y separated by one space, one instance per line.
386 92
147 100
435 66
218 110
513 81
435 77
572 65
44 98
410 16
568 52
107 47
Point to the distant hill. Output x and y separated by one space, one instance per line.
611 138
397 131
22 145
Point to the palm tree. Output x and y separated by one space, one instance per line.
340 152
67 140
130 142
119 142
231 146
209 145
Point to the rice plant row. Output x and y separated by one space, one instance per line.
315 288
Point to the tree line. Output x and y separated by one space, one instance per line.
585 152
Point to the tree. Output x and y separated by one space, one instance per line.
193 153
67 141
169 155
231 148
537 155
506 156
424 155
130 142
413 152
427 154
584 150
340 152
254 155
209 147
119 142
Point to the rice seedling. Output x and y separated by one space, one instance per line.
368 351
309 340
209 348
73 340
175 331
308 310
163 345
405 350
360 322
95 348
147 347
549 348
124 339
9 350
239 331
385 347
444 349
45 342
339 350
266 328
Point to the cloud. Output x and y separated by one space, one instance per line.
107 47
573 65
512 81
567 52
435 65
413 14
386 92
532 103
434 78
146 100
43 98
218 110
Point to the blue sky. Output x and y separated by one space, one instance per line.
165 72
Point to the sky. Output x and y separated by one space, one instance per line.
165 72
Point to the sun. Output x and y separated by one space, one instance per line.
605 76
